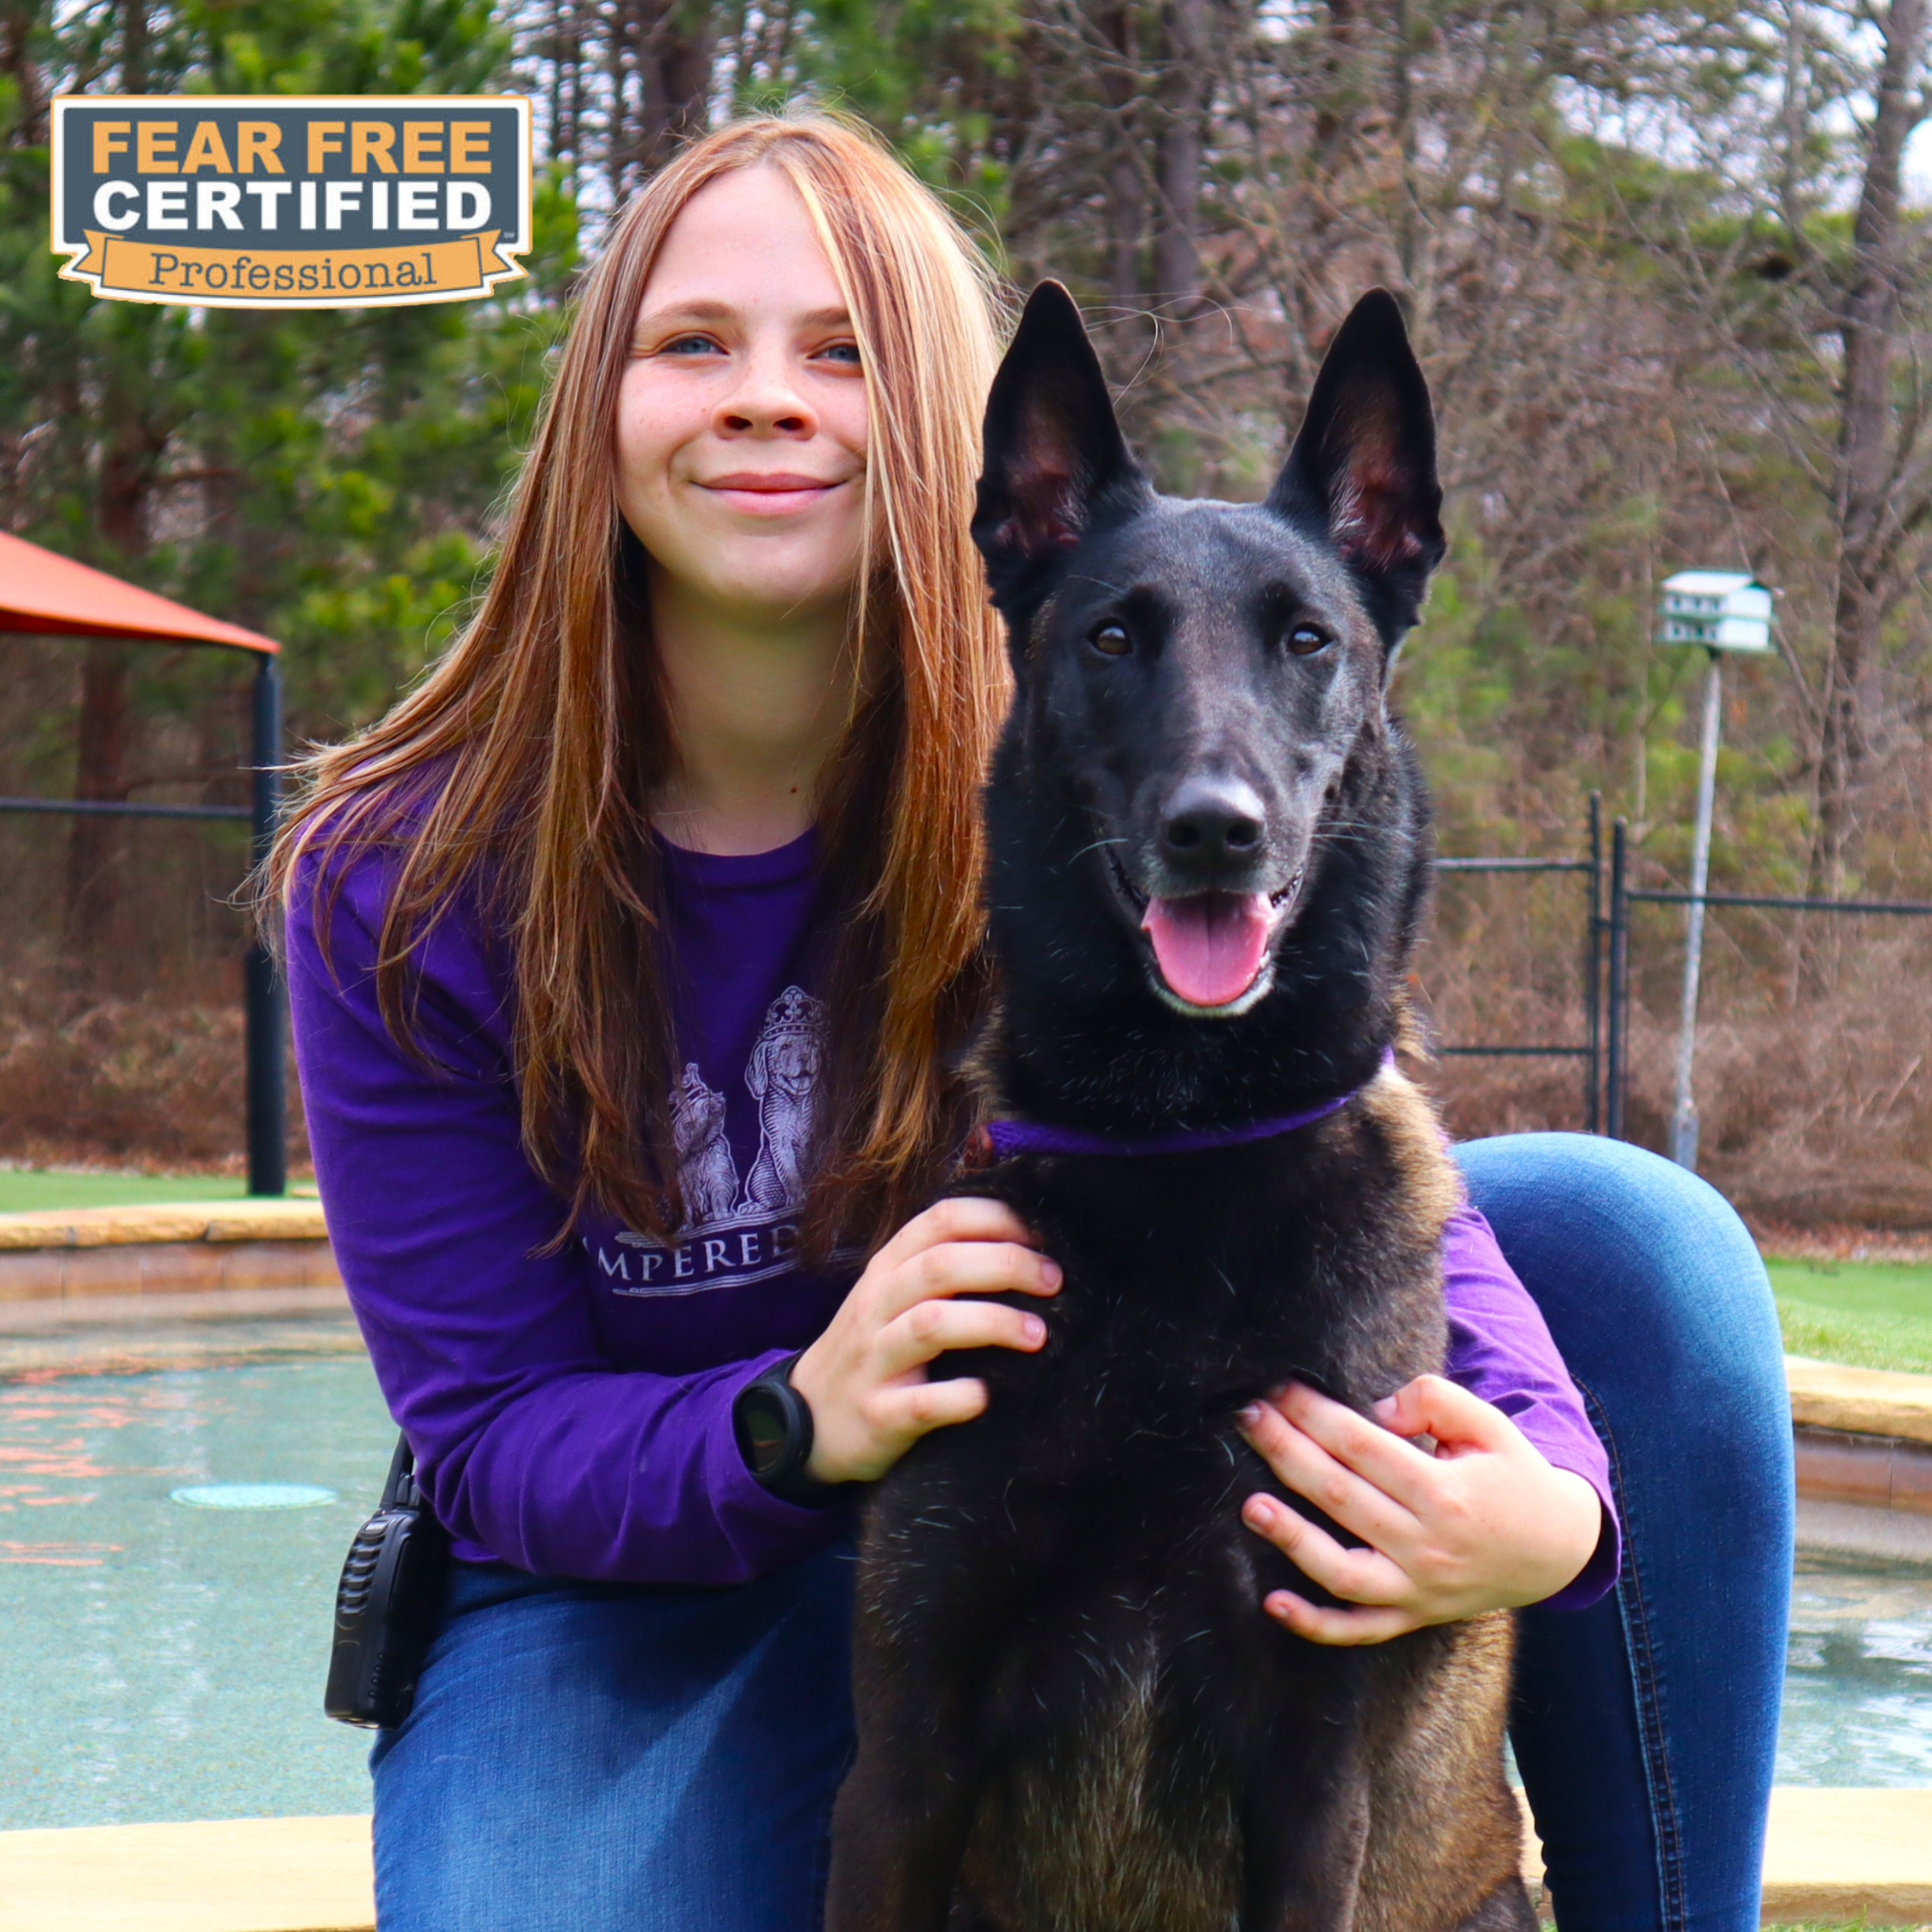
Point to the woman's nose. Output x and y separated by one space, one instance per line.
766 402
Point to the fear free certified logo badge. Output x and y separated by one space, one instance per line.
291 201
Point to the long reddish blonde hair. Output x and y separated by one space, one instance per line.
521 766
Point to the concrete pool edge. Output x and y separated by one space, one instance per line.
1864 1443
253 1218
1863 1402
1836 1855
73 1257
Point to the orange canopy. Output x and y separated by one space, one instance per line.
43 592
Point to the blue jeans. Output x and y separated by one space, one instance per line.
593 1758
1646 1727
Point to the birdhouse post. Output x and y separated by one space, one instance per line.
1720 612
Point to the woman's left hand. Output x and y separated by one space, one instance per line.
1483 1524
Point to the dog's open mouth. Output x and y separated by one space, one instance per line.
1210 947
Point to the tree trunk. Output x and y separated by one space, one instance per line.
1186 88
134 46
567 84
1339 81
1866 515
675 60
666 46
95 846
1403 109
617 67
1126 186
17 21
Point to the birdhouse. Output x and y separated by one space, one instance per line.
1720 610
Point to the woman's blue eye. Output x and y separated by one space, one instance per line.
842 352
683 345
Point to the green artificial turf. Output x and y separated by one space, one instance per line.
1869 1314
26 1188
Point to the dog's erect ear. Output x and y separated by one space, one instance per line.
1362 470
1054 454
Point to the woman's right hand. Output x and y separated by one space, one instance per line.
865 1377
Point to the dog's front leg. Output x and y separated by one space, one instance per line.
1304 1817
899 1827
938 1592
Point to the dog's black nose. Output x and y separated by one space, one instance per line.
1209 818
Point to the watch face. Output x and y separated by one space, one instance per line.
766 1437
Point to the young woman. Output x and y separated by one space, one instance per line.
628 955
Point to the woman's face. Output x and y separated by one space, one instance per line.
741 419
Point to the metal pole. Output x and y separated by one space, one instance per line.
1619 1016
1684 1116
1592 974
261 984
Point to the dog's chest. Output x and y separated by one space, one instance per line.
1191 1287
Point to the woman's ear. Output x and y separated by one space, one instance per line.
1362 472
1054 454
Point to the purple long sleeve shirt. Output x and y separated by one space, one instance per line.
571 1406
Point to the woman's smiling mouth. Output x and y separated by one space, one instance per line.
776 492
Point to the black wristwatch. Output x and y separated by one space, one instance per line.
773 1423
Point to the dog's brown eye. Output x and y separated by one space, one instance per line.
1306 639
1111 640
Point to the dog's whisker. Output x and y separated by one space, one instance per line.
1096 846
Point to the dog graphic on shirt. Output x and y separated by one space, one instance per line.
781 1072
707 1175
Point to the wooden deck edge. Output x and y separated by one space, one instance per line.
243 1875
1837 1855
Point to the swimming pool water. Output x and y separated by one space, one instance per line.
165 1661
1857 1684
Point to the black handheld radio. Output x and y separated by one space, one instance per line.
386 1604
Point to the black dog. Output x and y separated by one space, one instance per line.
1209 851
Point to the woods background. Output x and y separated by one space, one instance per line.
1664 269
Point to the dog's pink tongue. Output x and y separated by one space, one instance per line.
1209 946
